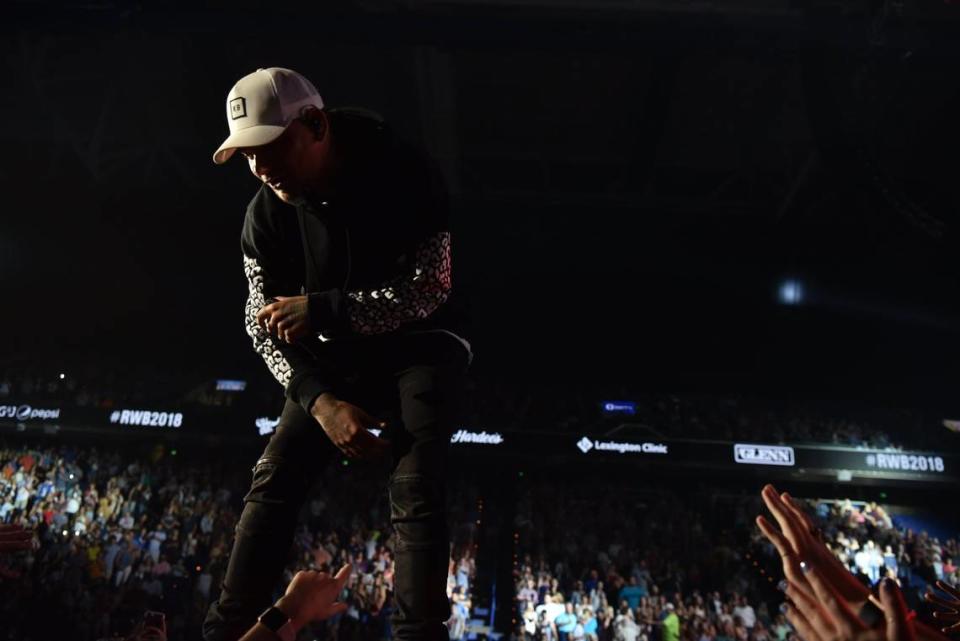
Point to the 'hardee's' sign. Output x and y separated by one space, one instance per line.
763 454
477 438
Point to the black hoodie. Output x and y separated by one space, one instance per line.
372 254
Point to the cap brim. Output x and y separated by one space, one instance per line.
249 137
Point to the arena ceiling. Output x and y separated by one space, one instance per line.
643 173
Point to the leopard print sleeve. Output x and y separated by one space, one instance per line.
409 297
276 363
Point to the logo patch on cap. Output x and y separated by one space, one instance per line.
238 108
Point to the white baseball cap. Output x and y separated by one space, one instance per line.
261 106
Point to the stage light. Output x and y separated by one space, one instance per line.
62 376
790 292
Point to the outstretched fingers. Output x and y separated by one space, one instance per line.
949 589
950 606
801 624
804 519
342 575
789 524
791 562
819 617
899 627
845 621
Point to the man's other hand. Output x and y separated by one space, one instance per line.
287 318
346 425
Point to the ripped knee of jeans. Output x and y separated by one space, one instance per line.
418 510
277 481
273 502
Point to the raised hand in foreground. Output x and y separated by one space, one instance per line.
950 608
311 596
798 541
825 616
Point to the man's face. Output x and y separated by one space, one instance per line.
284 164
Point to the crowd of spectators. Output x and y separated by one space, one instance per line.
123 532
614 564
621 564
867 541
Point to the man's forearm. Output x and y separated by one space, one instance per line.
412 295
322 405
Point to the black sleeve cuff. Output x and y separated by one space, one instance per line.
305 390
328 312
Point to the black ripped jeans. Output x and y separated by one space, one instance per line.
416 380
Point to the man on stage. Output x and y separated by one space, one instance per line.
347 253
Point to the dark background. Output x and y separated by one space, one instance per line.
631 183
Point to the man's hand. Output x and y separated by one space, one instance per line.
346 425
286 318
312 596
